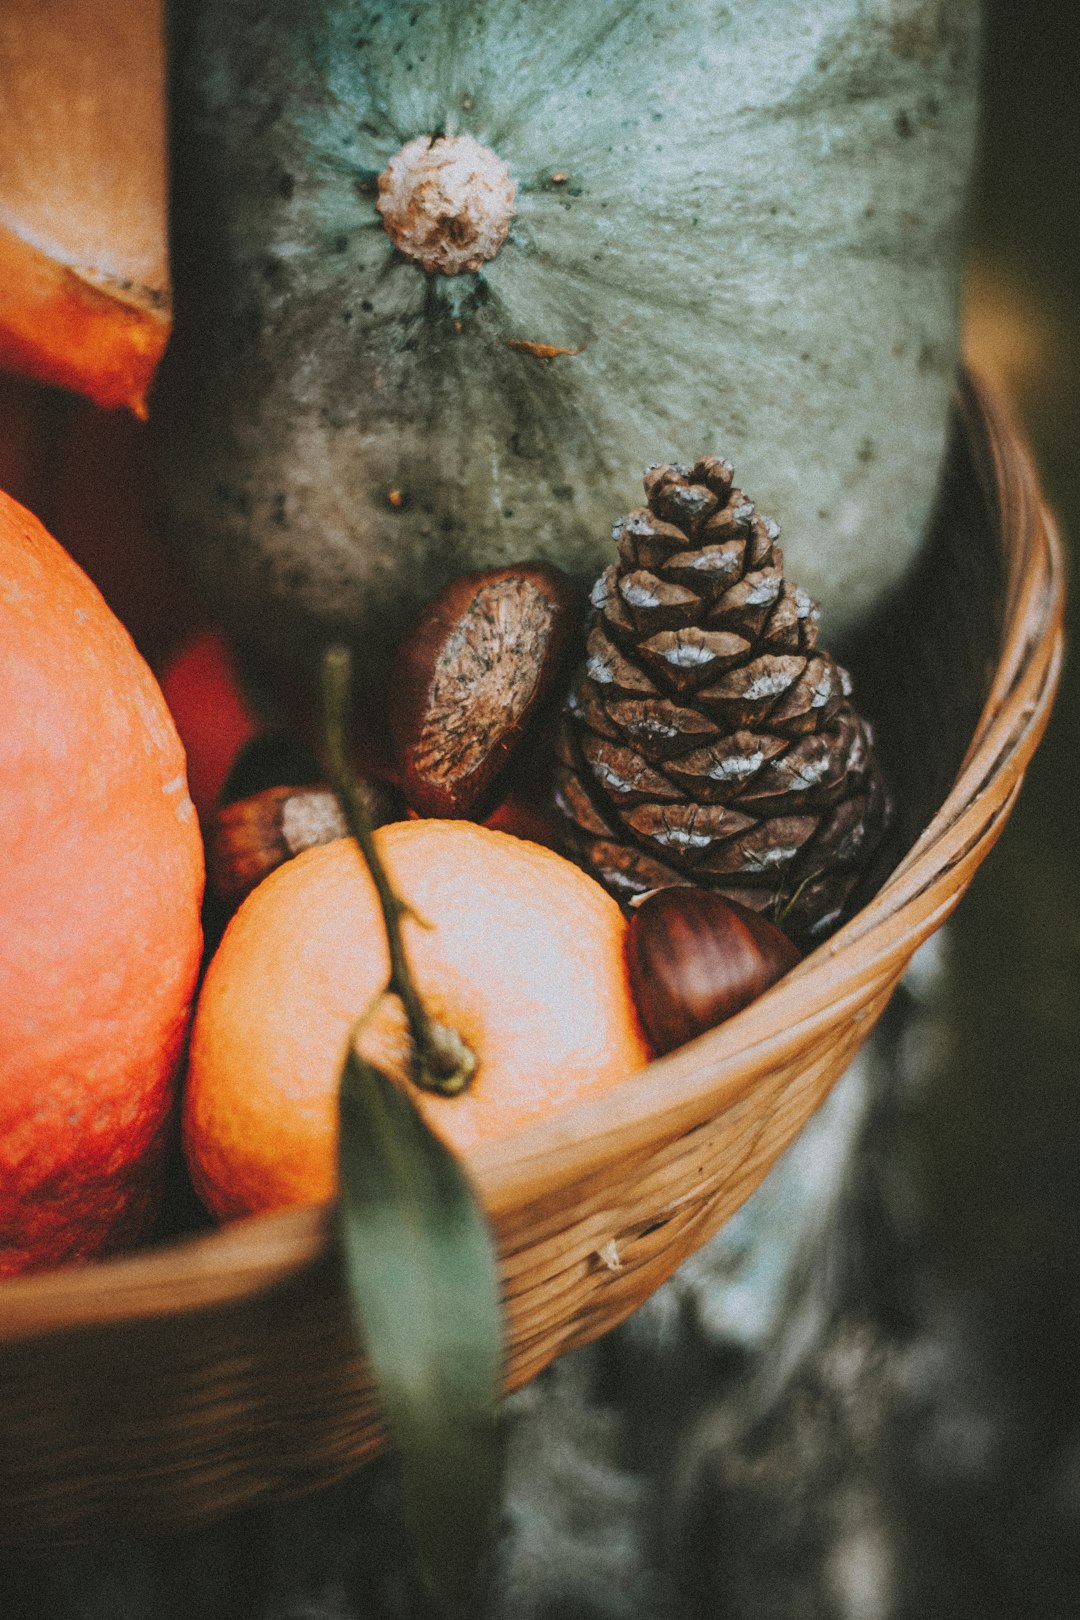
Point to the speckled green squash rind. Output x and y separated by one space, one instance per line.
755 251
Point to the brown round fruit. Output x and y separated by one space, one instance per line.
695 958
469 677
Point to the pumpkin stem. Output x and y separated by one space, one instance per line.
447 202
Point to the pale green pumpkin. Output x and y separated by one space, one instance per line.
743 219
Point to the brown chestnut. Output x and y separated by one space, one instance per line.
694 958
247 838
469 677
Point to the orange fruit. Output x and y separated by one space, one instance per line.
84 282
522 955
100 897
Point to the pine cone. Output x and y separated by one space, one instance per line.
708 739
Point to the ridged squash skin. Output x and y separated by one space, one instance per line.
742 218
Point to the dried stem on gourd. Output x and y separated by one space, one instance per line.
441 1061
447 203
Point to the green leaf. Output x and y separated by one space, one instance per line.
424 1287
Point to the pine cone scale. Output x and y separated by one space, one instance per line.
659 728
627 871
686 833
572 799
624 776
727 770
607 667
763 849
683 659
714 566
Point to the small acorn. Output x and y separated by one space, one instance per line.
469 678
695 958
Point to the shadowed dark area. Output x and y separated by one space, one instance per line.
999 1136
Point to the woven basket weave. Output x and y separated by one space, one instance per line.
149 1393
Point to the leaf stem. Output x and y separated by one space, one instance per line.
441 1060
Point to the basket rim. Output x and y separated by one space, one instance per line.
677 1093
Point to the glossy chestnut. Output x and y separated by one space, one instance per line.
695 958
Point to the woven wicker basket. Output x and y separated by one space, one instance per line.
149 1393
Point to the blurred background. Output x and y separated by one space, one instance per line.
1004 1134
1000 1134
